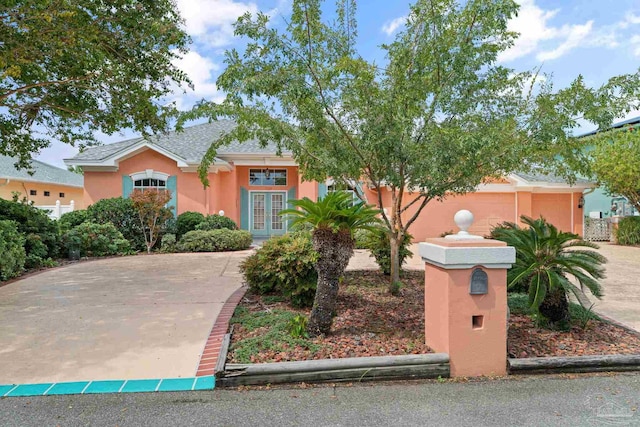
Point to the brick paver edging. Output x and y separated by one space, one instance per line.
211 350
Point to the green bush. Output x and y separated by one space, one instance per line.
362 239
121 213
217 222
628 231
168 243
33 221
12 250
93 239
380 247
215 241
186 222
72 219
285 265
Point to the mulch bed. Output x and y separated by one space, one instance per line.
371 322
598 338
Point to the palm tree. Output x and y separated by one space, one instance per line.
333 219
545 260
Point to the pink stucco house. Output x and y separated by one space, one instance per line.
252 184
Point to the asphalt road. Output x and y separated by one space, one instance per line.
536 401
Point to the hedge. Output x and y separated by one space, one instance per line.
214 241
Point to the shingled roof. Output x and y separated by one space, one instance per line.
41 172
189 144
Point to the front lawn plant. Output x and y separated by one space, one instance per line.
215 241
545 260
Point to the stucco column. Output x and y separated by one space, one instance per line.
466 300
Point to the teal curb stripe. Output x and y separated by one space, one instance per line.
108 386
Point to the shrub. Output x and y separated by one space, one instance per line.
93 239
215 241
186 222
121 213
168 243
72 219
545 260
362 239
286 265
628 231
153 215
33 221
37 252
380 247
12 250
217 222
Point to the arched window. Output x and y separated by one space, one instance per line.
149 179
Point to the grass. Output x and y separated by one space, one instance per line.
274 333
519 304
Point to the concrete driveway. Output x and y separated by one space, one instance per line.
621 287
118 318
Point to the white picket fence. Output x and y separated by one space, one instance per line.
57 210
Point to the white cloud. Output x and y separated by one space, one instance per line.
211 21
629 19
635 44
532 23
392 26
576 37
201 71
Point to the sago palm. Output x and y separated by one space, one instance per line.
333 219
546 259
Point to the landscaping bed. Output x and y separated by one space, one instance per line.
588 335
370 322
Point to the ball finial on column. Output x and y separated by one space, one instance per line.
464 220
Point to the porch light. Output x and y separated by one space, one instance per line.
581 202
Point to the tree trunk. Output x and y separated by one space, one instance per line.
555 306
394 242
334 250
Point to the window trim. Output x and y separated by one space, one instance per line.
262 170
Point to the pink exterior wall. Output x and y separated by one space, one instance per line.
24 188
102 185
223 193
489 209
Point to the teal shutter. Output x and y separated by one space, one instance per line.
322 190
291 196
127 186
172 186
244 208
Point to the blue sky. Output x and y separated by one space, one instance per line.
595 38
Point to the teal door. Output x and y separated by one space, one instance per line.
264 213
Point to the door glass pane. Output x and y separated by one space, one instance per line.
258 212
277 204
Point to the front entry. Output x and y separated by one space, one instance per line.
264 213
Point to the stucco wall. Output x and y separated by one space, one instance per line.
24 188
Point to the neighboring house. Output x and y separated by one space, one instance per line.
598 203
252 184
44 185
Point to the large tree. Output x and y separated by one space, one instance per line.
69 68
616 162
437 117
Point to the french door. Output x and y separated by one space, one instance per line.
264 213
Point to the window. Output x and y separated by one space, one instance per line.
142 184
33 193
47 194
346 189
277 177
62 195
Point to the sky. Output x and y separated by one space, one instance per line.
596 38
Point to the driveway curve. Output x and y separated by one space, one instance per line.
145 316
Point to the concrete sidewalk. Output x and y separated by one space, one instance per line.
145 316
621 287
